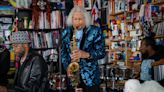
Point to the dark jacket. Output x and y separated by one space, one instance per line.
32 75
4 66
93 43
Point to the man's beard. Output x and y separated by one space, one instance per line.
21 53
144 55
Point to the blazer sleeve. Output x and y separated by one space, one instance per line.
98 49
65 57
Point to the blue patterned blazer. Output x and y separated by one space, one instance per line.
92 42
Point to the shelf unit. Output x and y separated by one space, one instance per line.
6 19
46 37
7 15
133 30
44 40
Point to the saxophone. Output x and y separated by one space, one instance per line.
73 67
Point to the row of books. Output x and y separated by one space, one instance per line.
7 10
119 6
23 3
6 19
42 40
139 2
5 30
57 20
116 5
55 4
128 5
158 29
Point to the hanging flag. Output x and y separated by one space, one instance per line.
95 14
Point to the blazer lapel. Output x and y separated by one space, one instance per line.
83 38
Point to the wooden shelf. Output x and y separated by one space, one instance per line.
30 10
119 40
44 48
24 9
3 15
132 11
159 37
128 38
40 30
119 13
117 49
130 22
158 3
158 21
134 61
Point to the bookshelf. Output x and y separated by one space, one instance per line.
126 27
119 22
6 19
44 23
45 36
7 14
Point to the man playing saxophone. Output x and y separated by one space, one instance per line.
90 48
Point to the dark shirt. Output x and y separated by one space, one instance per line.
155 57
4 66
32 75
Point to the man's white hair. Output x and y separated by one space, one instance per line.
87 17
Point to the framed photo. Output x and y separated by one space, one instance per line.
88 4
105 4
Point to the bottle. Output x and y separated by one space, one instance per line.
25 22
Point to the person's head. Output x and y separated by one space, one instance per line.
151 86
78 17
148 44
132 85
20 41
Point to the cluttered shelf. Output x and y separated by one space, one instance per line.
30 10
158 3
44 48
134 61
132 11
159 36
119 13
116 40
41 30
131 22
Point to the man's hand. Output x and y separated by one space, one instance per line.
160 62
77 54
